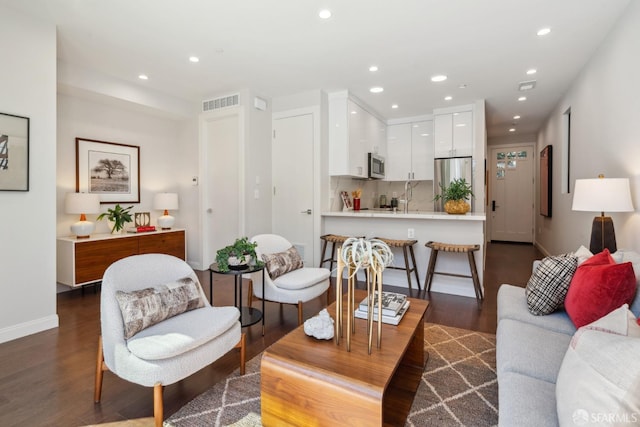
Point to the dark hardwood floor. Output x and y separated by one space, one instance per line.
47 379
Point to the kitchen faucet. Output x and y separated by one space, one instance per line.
408 195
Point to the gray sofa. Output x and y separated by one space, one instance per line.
529 352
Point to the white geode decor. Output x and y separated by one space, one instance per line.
320 326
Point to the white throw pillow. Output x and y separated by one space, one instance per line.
582 254
599 379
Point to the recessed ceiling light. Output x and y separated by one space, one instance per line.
324 14
354 112
439 78
194 59
448 98
424 134
516 117
143 77
461 125
373 68
512 130
394 106
522 98
376 89
532 71
544 31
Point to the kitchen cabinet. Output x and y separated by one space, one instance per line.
353 133
453 134
83 261
410 151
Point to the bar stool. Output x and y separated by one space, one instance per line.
448 247
333 239
407 249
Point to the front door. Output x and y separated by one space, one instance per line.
511 191
292 166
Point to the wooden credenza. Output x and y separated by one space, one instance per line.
83 261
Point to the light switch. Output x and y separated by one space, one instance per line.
256 194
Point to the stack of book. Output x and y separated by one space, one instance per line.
394 306
141 229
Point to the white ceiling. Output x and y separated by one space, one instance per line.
282 47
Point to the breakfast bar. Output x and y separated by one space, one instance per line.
422 226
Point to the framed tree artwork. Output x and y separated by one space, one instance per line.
108 169
14 153
545 180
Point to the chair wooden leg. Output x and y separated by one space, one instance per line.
242 346
415 267
250 293
100 368
158 414
474 276
406 265
431 269
299 313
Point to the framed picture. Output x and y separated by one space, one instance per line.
14 153
108 169
546 157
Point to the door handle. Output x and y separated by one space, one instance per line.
308 212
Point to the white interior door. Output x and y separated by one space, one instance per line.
293 195
511 193
223 186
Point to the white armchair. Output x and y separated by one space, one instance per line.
295 287
172 349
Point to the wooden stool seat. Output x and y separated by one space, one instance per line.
333 239
407 250
454 248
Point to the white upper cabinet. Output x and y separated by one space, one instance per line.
410 151
453 134
353 133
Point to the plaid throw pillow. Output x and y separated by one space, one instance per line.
548 285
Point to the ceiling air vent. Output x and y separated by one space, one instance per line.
222 102
528 85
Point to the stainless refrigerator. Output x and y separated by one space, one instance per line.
445 171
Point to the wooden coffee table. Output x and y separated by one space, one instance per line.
315 382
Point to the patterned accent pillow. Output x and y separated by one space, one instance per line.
281 263
146 307
548 285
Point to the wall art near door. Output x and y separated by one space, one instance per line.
108 169
14 153
545 180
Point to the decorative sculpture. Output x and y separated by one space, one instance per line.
320 326
373 256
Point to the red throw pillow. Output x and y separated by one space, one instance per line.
598 287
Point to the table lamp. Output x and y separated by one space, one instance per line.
166 202
600 195
82 203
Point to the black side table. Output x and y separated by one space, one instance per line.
248 315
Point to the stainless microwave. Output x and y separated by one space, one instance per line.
376 166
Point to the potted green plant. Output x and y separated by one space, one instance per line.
238 255
455 196
118 216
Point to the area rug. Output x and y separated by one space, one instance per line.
458 387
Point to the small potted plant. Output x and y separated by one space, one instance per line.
238 255
117 216
455 196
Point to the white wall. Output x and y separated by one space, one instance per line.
168 157
605 138
28 219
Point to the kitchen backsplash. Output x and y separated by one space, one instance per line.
422 199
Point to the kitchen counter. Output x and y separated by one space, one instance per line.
372 213
421 226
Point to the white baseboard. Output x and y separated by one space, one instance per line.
28 328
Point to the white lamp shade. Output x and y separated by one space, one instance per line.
602 195
82 203
165 201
